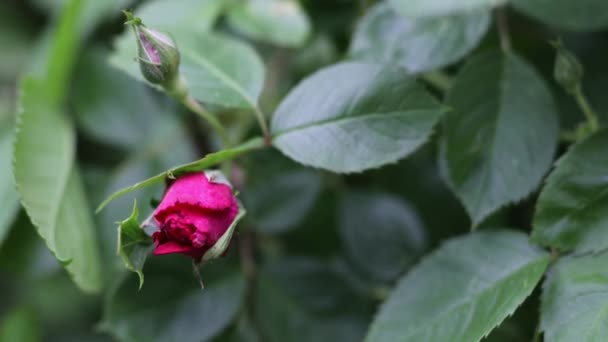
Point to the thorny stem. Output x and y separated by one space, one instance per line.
502 24
584 105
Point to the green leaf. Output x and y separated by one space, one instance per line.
50 186
19 325
56 300
114 109
210 160
572 211
381 234
172 307
300 300
8 194
284 200
180 15
354 116
134 244
319 52
418 45
501 135
580 15
219 70
282 22
426 8
280 193
575 301
243 331
463 290
418 180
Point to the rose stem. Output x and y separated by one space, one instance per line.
197 273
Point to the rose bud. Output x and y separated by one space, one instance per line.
196 216
158 55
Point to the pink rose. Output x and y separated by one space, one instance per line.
193 214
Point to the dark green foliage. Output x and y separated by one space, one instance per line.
375 146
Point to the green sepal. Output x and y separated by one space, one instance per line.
134 245
223 242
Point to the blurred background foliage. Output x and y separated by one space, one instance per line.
318 269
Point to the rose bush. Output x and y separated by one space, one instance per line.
362 135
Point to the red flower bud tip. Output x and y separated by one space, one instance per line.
193 215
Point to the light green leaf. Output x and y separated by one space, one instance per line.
210 160
19 325
50 187
171 307
575 301
219 70
354 116
418 45
572 211
426 8
381 234
463 290
301 300
580 15
501 135
134 244
180 15
282 22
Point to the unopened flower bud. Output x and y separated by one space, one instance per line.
158 55
568 71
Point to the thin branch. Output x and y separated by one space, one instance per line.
586 108
197 273
198 109
178 89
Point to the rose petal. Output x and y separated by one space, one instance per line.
212 223
195 189
171 247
